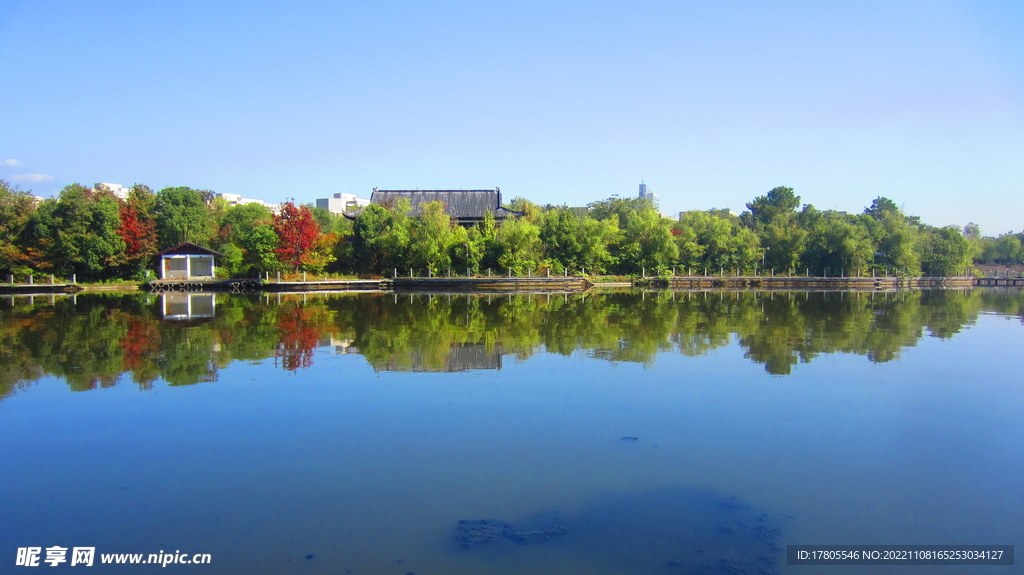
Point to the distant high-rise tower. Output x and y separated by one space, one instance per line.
648 195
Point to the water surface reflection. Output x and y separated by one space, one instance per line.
601 433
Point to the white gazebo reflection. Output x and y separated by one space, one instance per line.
184 305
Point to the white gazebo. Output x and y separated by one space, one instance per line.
187 261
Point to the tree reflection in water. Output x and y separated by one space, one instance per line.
94 341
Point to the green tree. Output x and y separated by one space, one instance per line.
617 207
217 208
260 249
239 219
783 244
881 207
724 243
465 249
519 246
331 223
895 241
83 227
182 216
838 244
16 210
560 234
531 211
780 203
944 252
232 261
1008 249
972 231
489 248
691 252
577 241
431 239
233 224
646 242
773 216
595 238
381 237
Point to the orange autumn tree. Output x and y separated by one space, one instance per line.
299 241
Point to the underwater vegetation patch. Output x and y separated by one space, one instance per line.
655 531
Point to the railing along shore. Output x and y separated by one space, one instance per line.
512 284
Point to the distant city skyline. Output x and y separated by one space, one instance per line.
562 103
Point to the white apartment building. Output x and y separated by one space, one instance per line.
119 191
342 203
238 200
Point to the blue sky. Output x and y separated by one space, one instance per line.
711 103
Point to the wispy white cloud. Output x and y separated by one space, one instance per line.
31 178
11 163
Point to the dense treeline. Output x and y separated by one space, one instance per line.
92 341
1007 249
91 233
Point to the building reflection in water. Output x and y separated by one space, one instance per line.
461 356
187 306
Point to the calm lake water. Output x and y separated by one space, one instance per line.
647 433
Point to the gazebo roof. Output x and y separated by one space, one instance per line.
188 248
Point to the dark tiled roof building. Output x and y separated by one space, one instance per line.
467 207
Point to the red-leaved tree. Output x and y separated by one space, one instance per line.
138 231
297 234
300 336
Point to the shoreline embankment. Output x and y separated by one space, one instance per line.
530 284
